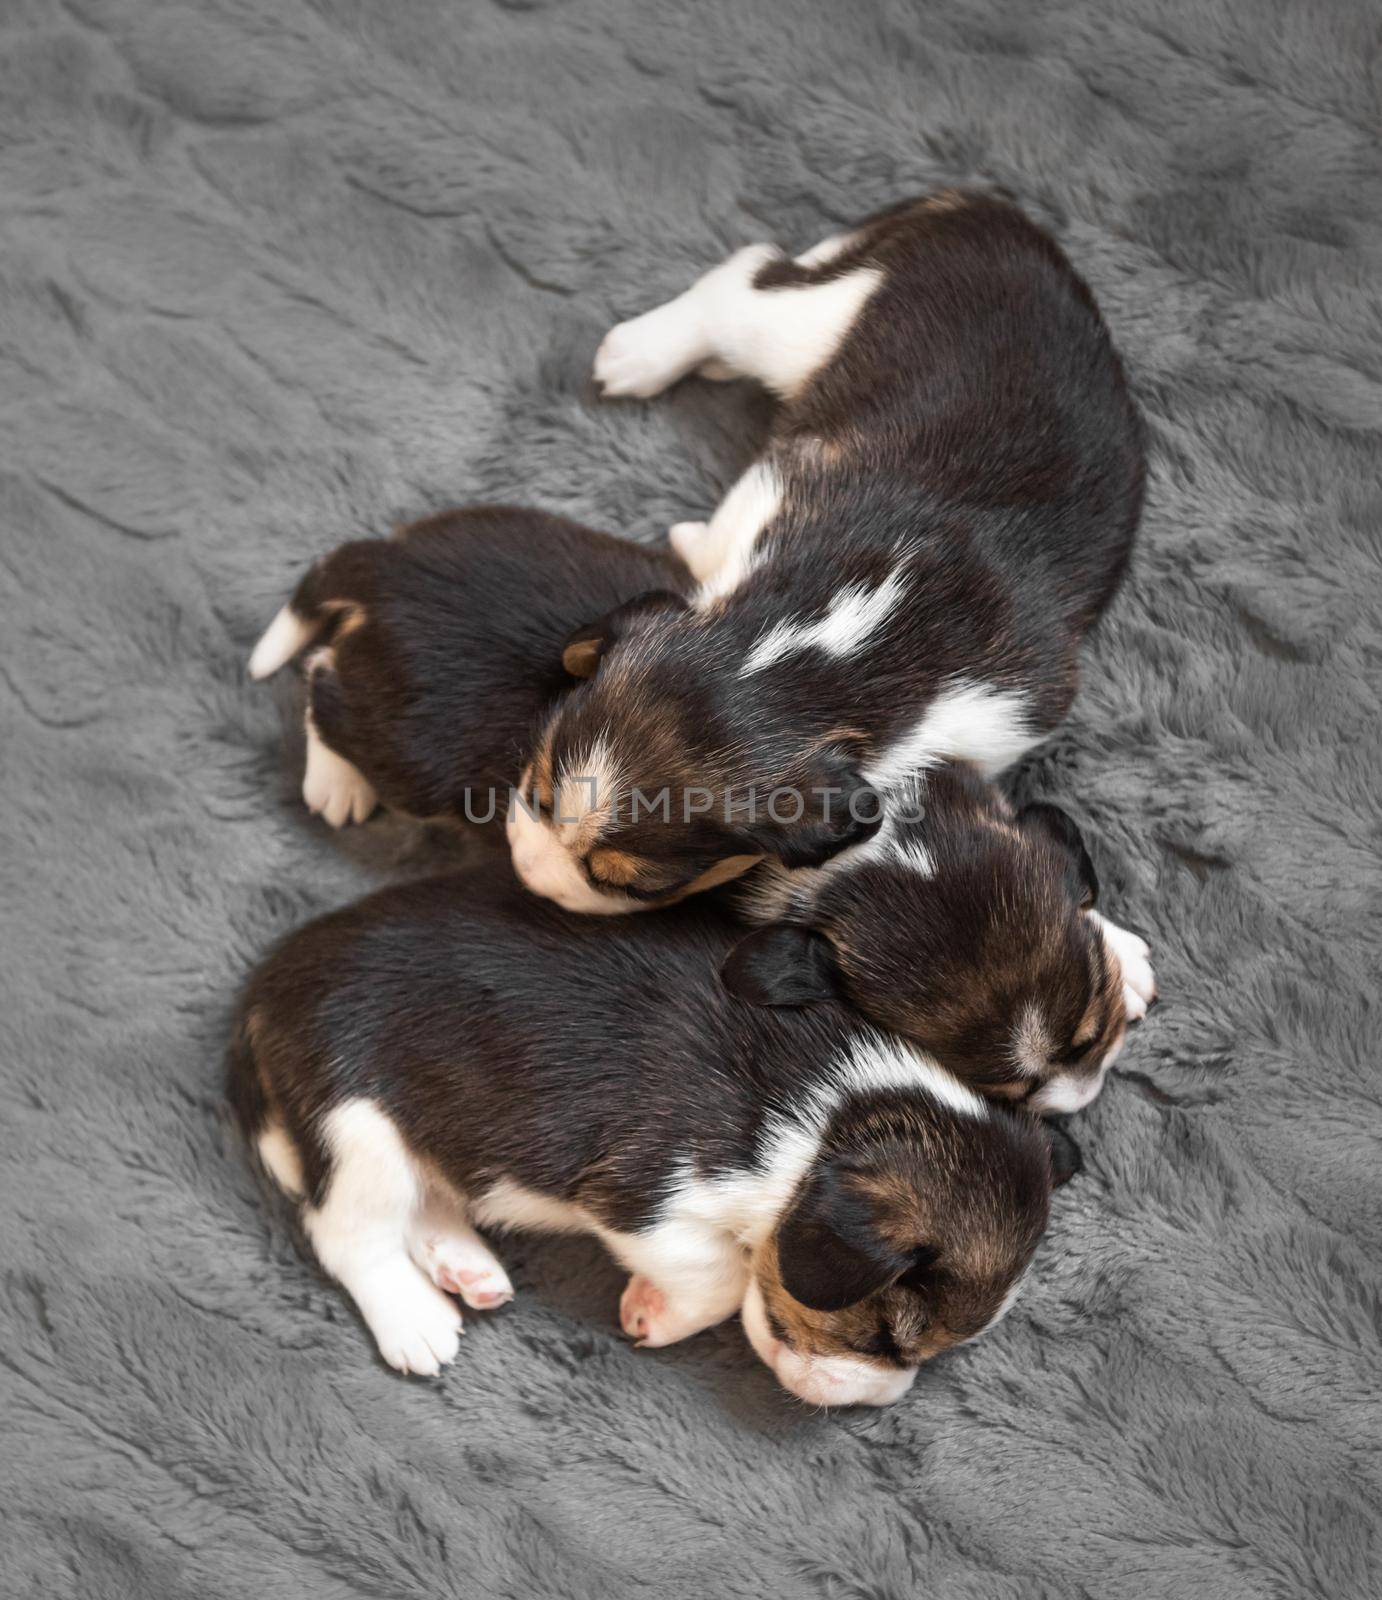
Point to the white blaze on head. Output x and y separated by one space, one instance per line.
547 854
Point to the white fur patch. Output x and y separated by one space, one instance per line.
1134 958
1066 1093
877 1063
854 613
782 336
965 722
1031 1050
506 1204
282 639
913 855
281 1159
820 255
361 1235
443 1244
332 787
724 555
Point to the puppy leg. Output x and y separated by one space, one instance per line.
648 354
331 786
1134 958
782 334
684 1279
720 553
455 1257
688 540
360 1233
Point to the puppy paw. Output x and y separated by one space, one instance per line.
332 788
643 1310
465 1267
688 539
1134 958
643 357
420 1334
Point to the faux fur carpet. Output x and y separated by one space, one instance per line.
279 272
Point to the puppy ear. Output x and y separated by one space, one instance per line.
1059 828
1066 1159
830 1253
581 653
834 806
782 966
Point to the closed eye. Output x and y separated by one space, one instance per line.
881 1346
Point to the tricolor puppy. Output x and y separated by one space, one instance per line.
454 1053
967 926
944 508
437 651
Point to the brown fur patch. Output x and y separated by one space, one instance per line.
944 200
721 872
848 1332
614 866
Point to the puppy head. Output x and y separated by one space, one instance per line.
967 933
659 777
910 1233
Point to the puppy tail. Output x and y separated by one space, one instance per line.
288 633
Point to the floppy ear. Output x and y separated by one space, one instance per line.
1066 1159
581 653
804 824
782 966
1058 827
830 1253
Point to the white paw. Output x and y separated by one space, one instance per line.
463 1266
650 1315
717 371
643 1311
419 1334
1134 957
643 357
688 539
333 788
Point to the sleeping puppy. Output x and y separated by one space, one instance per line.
944 508
968 927
453 1053
438 650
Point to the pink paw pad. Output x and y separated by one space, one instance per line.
481 1289
640 1305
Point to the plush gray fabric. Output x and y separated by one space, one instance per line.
279 272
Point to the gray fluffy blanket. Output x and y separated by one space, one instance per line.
274 273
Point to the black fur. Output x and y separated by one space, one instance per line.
955 958
446 646
973 436
588 1060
